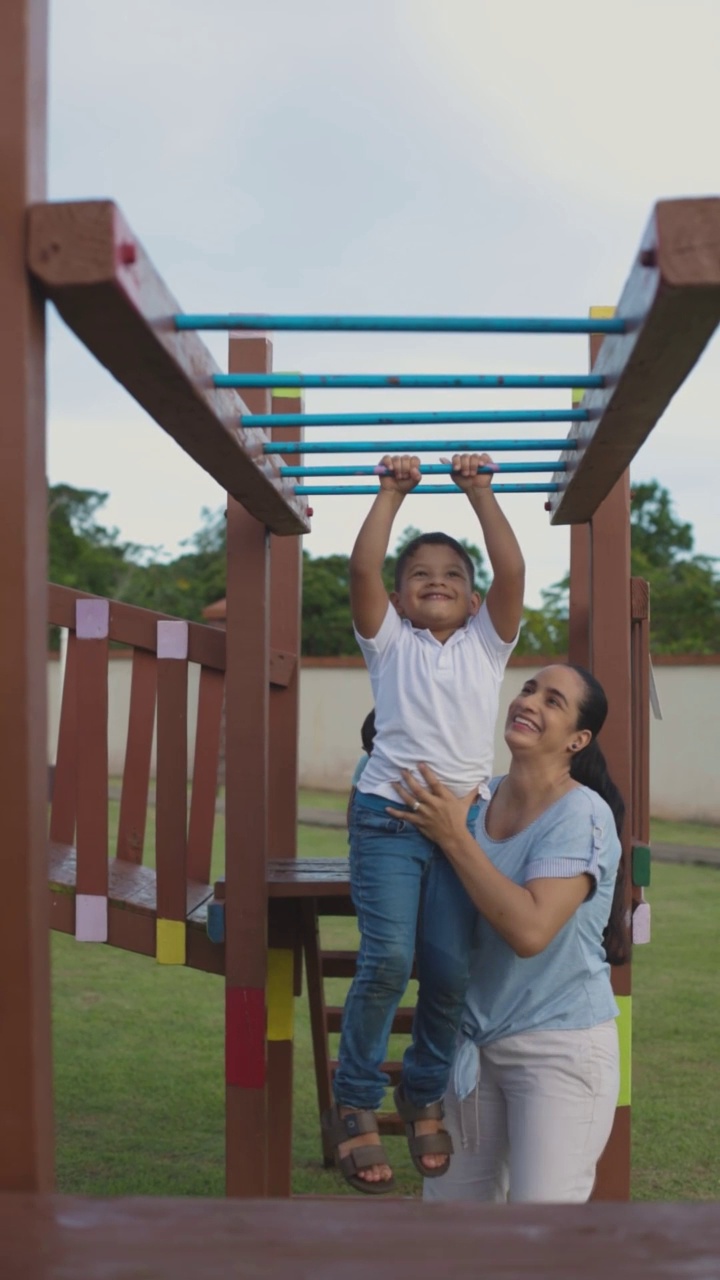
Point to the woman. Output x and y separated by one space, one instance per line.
536 1076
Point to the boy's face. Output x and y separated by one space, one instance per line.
435 591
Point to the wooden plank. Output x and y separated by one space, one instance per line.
132 625
323 1238
640 656
283 735
283 934
579 616
93 267
246 832
138 753
211 694
402 1022
318 1017
171 790
64 795
610 625
130 887
91 629
672 304
26 1121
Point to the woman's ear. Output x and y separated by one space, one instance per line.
580 740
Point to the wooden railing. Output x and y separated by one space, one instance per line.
185 815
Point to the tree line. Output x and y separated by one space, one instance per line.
87 555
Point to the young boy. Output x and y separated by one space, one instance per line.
436 656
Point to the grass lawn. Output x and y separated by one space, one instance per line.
139 1059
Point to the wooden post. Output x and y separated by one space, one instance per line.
284 957
26 1122
579 612
246 822
93 642
171 788
610 627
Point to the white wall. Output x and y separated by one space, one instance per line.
684 745
334 700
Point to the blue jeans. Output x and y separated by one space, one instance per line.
409 901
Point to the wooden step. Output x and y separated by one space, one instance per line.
392 1069
402 1022
338 964
342 964
390 1124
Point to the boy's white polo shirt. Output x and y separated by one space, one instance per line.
434 703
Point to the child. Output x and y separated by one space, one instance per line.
436 656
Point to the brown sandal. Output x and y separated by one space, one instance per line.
340 1129
425 1144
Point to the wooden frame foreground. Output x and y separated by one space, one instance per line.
671 303
92 266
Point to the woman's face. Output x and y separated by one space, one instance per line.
544 716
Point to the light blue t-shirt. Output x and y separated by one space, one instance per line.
566 986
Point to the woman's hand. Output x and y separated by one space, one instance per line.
435 811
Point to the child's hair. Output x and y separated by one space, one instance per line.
589 767
367 732
433 540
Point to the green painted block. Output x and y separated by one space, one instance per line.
641 865
624 1026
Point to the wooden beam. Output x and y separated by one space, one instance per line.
93 267
671 302
247 697
26 1122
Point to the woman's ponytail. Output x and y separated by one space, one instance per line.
589 768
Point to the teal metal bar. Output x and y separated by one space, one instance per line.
502 468
417 446
403 324
307 491
269 420
400 381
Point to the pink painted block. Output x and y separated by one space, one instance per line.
172 640
91 918
92 619
641 923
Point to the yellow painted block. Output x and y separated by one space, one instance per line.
577 395
624 1026
602 313
288 393
280 994
170 942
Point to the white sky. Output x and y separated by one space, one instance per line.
429 156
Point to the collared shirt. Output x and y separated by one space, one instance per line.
434 703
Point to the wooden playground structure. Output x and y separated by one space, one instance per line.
255 927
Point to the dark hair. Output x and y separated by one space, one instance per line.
367 732
589 767
432 540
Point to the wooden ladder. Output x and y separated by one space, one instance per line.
326 1019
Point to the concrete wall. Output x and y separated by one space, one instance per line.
335 697
684 745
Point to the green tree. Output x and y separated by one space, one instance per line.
326 618
684 588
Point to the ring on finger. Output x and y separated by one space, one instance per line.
416 806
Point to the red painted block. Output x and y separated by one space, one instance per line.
245 1037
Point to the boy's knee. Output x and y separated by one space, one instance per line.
389 973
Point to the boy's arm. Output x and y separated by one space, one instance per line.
368 596
505 596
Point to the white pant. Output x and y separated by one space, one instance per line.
536 1125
